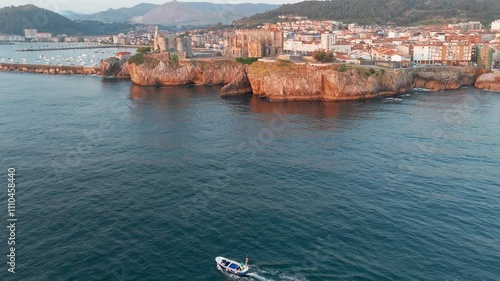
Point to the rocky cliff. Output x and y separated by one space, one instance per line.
283 80
114 68
489 81
155 71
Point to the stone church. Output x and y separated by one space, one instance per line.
244 43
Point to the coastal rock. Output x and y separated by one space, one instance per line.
445 78
283 80
115 68
238 86
489 81
156 71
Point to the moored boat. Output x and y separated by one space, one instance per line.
232 266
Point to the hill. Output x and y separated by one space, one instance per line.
200 13
113 15
400 12
13 20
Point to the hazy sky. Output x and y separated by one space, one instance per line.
92 6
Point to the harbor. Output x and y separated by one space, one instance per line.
86 55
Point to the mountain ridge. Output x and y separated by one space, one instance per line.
113 15
201 13
400 12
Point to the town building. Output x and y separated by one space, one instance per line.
30 33
11 38
266 42
327 41
448 53
495 26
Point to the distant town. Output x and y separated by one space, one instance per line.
297 38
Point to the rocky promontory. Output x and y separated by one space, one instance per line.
288 81
489 81
157 71
283 80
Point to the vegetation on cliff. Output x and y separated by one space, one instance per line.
401 12
144 50
247 60
137 59
323 56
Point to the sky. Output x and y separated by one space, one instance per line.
93 6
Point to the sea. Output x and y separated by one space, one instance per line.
119 182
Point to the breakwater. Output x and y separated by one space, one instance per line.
50 69
76 48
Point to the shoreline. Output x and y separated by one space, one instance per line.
278 81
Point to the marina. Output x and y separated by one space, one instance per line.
86 55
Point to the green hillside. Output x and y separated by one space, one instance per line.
401 12
13 20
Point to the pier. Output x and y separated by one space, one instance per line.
50 69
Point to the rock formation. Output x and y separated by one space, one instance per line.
156 71
489 81
115 68
285 80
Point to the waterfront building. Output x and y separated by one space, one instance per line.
123 55
11 38
30 33
449 53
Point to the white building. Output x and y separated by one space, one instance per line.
339 48
393 34
426 53
11 38
43 35
495 26
327 40
297 46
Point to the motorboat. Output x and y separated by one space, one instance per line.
231 266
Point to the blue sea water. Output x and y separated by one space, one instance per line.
120 182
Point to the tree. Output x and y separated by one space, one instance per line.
144 50
323 56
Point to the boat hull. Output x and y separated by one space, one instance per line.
229 266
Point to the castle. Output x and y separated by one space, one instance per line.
172 44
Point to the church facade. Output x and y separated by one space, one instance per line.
244 43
